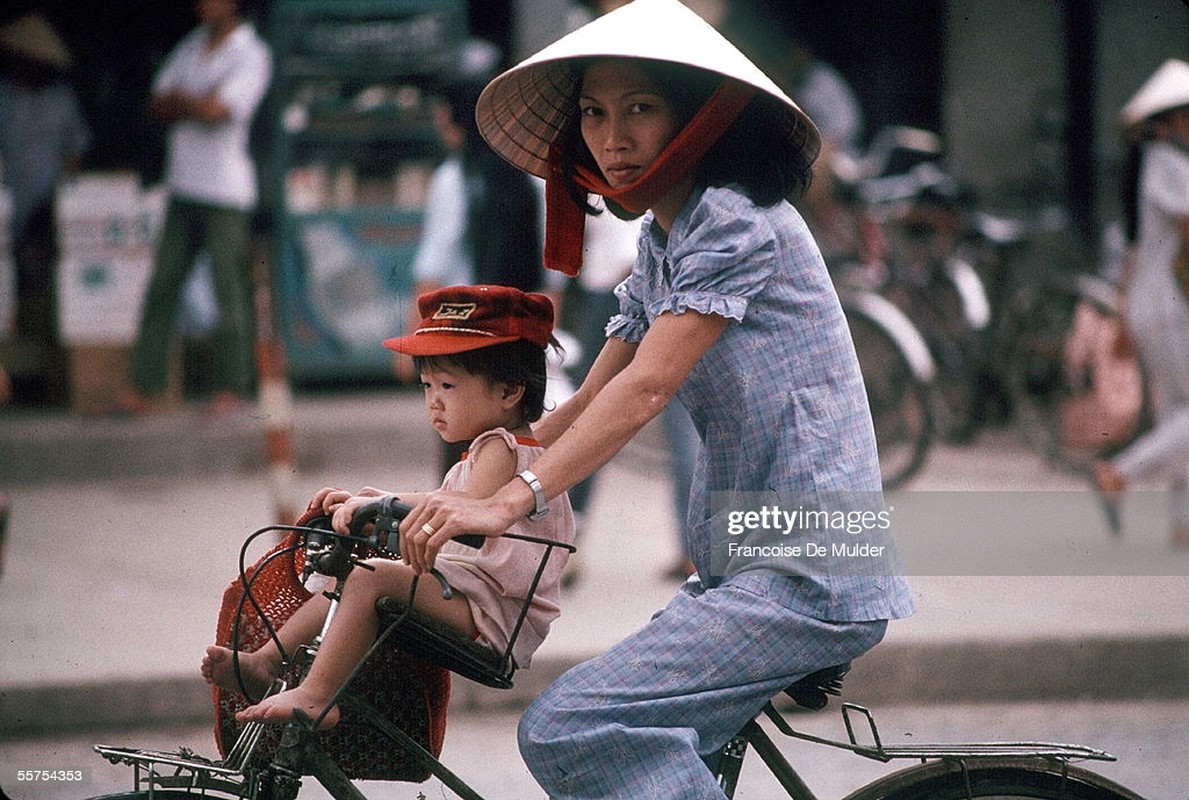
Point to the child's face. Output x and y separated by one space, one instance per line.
625 119
461 405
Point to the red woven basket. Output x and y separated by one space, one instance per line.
410 692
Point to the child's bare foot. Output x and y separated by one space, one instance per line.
256 670
278 709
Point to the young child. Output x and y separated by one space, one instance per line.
480 351
730 308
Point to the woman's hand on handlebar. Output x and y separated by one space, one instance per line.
440 516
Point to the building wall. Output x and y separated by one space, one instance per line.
1003 77
1003 106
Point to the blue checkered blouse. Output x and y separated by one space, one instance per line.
778 399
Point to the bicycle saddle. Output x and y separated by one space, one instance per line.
812 691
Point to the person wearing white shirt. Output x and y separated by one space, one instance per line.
208 90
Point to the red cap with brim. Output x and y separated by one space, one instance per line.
461 318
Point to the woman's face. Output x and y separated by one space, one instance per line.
625 119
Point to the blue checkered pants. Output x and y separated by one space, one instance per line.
637 721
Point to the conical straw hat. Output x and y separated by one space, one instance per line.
521 112
1168 88
31 37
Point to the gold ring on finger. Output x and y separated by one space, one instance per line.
427 529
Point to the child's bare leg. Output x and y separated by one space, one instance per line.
259 668
352 632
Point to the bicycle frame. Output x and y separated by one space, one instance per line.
300 753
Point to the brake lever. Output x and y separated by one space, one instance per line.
388 518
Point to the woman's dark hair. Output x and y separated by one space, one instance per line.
519 363
749 153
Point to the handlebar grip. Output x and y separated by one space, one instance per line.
386 513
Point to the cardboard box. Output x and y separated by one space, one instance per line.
108 229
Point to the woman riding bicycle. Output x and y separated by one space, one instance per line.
730 307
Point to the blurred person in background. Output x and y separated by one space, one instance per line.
208 90
42 137
830 101
483 217
1154 290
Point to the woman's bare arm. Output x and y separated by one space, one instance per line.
636 394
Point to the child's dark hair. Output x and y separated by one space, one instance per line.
747 154
518 363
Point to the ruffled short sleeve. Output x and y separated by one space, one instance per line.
718 257
631 322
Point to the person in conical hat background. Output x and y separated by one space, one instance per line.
1153 290
730 307
43 136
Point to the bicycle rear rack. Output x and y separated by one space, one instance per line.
190 770
879 751
184 769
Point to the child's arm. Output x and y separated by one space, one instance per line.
493 464
342 506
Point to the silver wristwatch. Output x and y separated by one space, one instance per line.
542 507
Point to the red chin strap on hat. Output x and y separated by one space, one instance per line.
565 220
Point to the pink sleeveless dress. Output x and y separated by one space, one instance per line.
496 578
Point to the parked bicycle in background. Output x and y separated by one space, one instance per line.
1017 316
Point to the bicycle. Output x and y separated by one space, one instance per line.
1040 771
913 221
898 375
1078 395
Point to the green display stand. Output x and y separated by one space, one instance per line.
352 148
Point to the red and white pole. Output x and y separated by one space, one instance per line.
275 397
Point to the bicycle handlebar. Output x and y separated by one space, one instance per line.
330 553
386 513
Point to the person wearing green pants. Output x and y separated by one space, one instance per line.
208 90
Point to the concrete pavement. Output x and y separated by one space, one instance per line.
124 533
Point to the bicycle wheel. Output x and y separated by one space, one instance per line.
1076 395
987 779
897 392
951 314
